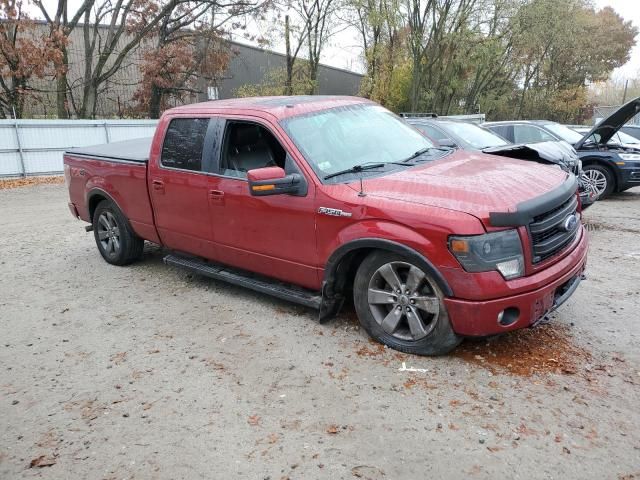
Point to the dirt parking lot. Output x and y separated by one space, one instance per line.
150 372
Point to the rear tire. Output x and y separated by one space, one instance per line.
601 178
401 306
116 241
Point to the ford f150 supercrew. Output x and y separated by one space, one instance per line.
313 199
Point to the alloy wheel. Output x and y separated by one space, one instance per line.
403 301
109 233
597 180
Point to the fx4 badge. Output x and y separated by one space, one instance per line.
334 212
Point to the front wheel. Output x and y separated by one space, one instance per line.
400 305
116 241
600 179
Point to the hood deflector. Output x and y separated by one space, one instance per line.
527 210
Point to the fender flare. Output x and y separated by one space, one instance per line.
97 191
334 272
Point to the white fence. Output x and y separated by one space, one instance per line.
35 147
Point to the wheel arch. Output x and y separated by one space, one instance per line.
97 195
343 263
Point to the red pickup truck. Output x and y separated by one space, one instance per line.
317 199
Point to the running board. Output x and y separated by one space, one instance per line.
246 279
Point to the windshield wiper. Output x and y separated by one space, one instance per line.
422 151
355 169
362 167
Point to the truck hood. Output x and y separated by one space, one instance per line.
608 127
473 183
554 153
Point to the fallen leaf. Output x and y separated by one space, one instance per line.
332 429
253 420
42 461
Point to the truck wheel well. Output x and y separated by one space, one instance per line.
345 272
94 200
343 264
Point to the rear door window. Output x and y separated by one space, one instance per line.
184 144
432 132
505 131
531 134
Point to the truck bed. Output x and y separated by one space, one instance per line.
136 150
115 171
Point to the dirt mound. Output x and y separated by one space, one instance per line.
546 349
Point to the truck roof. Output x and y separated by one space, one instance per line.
280 107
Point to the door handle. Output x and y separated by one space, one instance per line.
158 186
216 197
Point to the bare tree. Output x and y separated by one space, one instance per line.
60 27
188 46
24 54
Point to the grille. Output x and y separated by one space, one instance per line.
548 236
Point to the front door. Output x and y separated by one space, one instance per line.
272 235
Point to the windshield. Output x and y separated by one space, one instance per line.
474 135
565 133
341 138
622 137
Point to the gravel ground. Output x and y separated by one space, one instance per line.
151 372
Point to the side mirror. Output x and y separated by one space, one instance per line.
272 181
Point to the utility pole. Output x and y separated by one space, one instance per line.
624 95
289 80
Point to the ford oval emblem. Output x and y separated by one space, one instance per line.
570 223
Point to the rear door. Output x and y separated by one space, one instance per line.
180 184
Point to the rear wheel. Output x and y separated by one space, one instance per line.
116 241
400 305
601 180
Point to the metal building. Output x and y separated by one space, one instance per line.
248 66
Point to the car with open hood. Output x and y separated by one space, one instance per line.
610 167
469 136
319 200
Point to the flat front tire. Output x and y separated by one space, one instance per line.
116 241
401 306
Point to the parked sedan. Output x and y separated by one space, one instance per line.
610 168
468 136
457 134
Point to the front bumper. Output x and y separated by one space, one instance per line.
629 175
481 318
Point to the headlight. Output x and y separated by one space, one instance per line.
501 251
629 156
